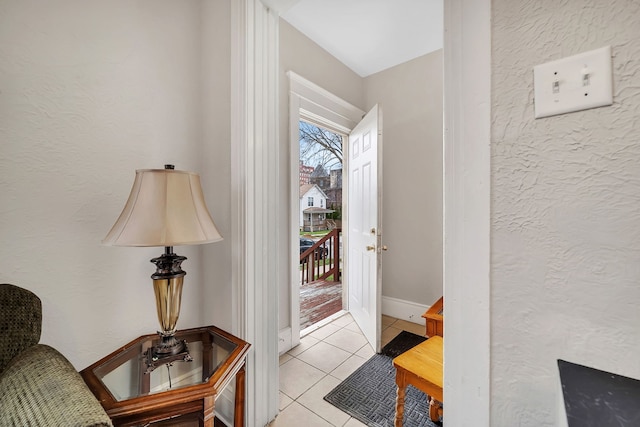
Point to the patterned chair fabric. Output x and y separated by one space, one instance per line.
38 385
20 322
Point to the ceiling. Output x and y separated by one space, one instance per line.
369 36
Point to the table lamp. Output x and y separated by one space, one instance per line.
166 207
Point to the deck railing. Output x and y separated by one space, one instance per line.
322 260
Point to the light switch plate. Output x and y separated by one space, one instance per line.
574 83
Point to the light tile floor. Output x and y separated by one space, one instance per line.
324 358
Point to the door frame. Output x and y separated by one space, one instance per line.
311 102
467 211
467 101
255 243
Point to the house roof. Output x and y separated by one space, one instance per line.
315 209
319 172
305 188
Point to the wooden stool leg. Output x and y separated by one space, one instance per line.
402 388
434 409
400 406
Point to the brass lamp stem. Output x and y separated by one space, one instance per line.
167 286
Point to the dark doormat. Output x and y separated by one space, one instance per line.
403 342
369 394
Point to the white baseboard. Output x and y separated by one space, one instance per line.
284 340
405 310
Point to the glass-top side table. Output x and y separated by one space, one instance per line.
135 393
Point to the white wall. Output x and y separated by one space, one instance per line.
89 92
565 225
215 166
411 98
303 56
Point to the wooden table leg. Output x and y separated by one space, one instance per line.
208 412
402 388
240 396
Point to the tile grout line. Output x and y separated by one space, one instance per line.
328 374
339 326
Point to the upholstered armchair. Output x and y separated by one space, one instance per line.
38 385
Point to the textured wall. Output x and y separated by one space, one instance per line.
411 98
89 92
565 208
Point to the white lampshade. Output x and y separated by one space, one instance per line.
166 207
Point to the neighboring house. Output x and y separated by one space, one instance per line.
313 208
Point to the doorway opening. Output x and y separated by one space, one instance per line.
320 224
312 106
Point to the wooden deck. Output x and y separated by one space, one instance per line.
319 300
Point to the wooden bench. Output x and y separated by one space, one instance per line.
434 318
422 368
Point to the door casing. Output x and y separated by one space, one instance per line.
310 102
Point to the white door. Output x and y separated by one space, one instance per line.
363 266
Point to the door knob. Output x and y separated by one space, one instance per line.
384 248
371 248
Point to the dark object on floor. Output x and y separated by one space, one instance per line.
403 342
369 394
594 398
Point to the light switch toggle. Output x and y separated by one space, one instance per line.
585 76
574 83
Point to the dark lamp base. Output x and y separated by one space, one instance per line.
167 351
